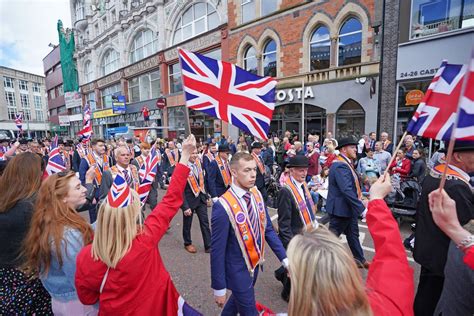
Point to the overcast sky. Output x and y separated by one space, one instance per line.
26 29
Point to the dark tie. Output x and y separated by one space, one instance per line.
306 198
252 216
127 177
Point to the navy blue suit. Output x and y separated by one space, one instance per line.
228 268
205 166
344 206
215 182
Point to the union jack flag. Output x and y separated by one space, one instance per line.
19 121
55 161
86 131
465 128
119 194
435 116
147 175
228 92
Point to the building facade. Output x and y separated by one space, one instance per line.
324 54
23 92
128 49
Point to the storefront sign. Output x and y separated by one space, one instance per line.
103 113
195 45
88 87
144 65
75 117
294 94
161 103
109 79
72 99
64 120
414 97
118 104
418 73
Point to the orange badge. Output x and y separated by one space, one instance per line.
414 97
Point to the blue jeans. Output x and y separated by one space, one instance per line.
314 196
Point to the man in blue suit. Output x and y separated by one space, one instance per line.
219 178
239 223
344 204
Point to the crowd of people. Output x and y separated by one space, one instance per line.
53 260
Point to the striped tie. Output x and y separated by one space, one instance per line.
127 177
252 216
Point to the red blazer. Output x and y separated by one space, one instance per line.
404 170
140 284
313 168
390 286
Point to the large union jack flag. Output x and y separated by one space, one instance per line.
147 175
86 131
435 116
465 128
119 194
228 92
55 161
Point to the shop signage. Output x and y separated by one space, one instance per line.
75 117
414 97
294 94
103 113
195 45
64 120
147 64
72 99
418 73
118 104
88 87
161 103
109 79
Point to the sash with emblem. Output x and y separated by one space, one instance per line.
172 159
134 174
196 187
451 173
260 165
340 158
305 204
247 238
210 156
100 168
224 170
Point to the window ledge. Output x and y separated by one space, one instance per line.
437 36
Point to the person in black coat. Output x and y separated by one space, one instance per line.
431 244
195 201
260 180
218 169
418 166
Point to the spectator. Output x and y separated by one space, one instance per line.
313 158
267 155
418 166
332 139
362 145
21 293
368 165
401 165
409 146
381 156
329 156
386 143
372 140
284 175
313 189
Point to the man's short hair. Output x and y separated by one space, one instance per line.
97 140
145 146
241 155
120 148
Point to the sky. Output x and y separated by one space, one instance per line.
26 29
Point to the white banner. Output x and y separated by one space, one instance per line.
64 120
73 99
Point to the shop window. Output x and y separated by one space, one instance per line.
320 49
39 115
434 17
91 100
248 10
25 100
269 6
410 95
175 78
144 45
350 42
176 121
37 102
145 87
110 62
350 120
250 60
10 98
269 62
198 19
107 95
88 72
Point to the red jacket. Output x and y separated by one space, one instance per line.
313 168
469 257
140 284
404 170
389 283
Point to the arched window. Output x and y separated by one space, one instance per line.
143 45
88 72
198 19
110 62
250 60
269 60
350 42
320 49
350 120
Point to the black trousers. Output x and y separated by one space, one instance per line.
201 212
428 293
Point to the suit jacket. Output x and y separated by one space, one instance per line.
107 181
166 163
228 268
431 246
191 201
216 183
289 219
76 161
260 178
342 192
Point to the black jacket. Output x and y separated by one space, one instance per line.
289 220
191 201
418 170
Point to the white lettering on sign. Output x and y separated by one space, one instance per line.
297 93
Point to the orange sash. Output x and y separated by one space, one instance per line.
172 159
193 183
98 171
451 174
224 170
354 174
306 214
210 156
260 165
253 253
134 172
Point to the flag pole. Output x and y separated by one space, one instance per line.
302 112
396 150
187 125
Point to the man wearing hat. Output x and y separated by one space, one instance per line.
219 173
23 148
296 210
431 246
344 204
256 150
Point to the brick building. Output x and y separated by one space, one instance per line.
329 47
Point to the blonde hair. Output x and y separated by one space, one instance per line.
115 230
324 277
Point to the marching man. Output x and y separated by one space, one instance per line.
219 173
240 227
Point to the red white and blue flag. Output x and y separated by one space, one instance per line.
147 175
465 128
86 131
119 194
55 161
228 92
435 116
19 121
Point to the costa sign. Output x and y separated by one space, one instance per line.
294 94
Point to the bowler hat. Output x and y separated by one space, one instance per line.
23 141
223 148
460 146
256 145
298 161
347 141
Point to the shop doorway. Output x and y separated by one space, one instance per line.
350 120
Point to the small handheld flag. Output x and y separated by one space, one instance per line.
86 131
147 175
19 121
55 161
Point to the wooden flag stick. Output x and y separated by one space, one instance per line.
395 152
187 125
